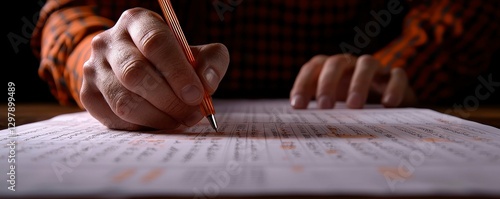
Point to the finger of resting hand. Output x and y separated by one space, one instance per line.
306 81
158 44
365 69
396 88
329 79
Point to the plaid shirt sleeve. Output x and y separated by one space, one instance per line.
445 45
441 44
62 37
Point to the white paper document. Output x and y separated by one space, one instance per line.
263 147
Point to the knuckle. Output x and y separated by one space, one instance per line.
367 61
338 60
400 73
309 66
99 41
150 36
318 58
123 106
131 14
365 56
154 38
133 73
89 69
316 61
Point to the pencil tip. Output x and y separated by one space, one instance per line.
213 122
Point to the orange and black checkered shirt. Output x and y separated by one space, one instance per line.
442 44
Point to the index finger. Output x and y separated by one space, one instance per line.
306 82
329 79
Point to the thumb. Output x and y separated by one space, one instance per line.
212 62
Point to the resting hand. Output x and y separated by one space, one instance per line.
138 77
355 80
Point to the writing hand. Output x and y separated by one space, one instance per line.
138 77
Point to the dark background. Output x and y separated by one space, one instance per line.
22 67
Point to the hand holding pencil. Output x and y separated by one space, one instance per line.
139 76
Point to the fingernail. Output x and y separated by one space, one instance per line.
212 78
325 102
190 94
298 101
354 100
193 119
